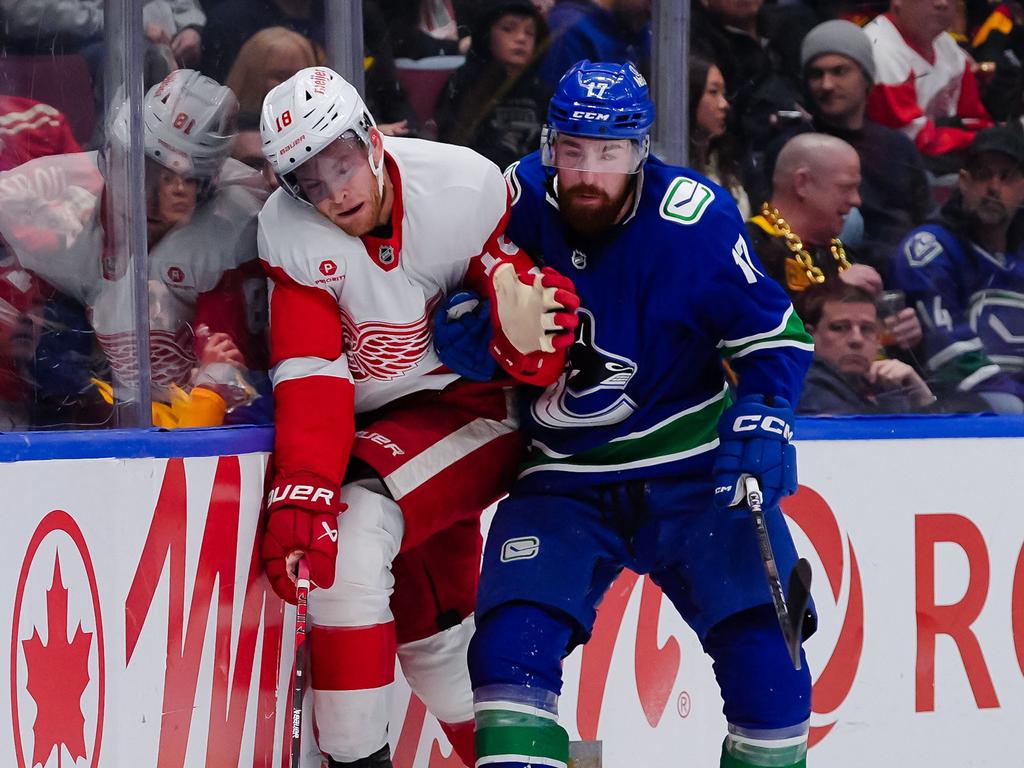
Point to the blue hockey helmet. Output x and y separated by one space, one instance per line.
599 101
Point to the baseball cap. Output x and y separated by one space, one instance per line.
1003 139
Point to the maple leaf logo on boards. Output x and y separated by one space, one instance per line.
58 673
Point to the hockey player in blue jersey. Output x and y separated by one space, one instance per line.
638 453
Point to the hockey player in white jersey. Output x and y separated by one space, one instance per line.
365 238
206 290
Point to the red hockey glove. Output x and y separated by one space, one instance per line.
534 315
302 516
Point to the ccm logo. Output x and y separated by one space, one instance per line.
772 424
580 114
300 493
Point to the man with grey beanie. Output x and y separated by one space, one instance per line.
839 71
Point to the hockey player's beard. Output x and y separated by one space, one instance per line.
592 218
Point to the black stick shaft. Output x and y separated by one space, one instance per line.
771 569
302 599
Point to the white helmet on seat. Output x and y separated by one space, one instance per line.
190 121
306 113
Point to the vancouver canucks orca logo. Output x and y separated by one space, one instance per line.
591 392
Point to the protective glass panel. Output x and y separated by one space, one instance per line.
58 237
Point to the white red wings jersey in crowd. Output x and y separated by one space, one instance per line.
449 204
914 89
350 317
51 215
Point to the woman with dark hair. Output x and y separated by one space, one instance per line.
494 103
712 151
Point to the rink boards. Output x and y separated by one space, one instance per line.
139 629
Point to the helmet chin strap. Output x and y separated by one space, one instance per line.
378 169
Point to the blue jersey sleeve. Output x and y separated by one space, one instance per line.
526 210
928 267
746 313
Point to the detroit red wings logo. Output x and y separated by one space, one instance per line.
385 351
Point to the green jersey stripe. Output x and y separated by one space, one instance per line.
685 434
791 331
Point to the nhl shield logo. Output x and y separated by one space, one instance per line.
579 259
386 254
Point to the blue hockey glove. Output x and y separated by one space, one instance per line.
754 439
462 335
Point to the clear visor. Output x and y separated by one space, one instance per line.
331 170
593 155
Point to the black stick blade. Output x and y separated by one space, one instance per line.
797 599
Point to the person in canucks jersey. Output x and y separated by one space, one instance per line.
639 449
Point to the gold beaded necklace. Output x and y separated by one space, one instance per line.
796 246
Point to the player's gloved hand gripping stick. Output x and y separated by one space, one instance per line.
756 463
301 651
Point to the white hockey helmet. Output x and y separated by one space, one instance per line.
190 121
306 113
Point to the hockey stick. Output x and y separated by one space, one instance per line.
789 610
302 598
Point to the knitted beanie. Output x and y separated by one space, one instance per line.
842 37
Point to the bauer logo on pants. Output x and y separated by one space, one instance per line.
522 548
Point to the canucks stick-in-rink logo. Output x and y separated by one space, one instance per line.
591 392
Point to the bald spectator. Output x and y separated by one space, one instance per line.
815 185
924 82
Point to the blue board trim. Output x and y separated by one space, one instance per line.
135 443
910 427
230 441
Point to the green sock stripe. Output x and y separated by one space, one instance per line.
544 738
749 756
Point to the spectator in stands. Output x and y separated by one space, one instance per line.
206 300
495 103
964 270
839 70
796 235
847 376
422 28
267 59
615 31
924 83
384 95
232 22
81 21
247 148
998 43
712 151
757 49
566 13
